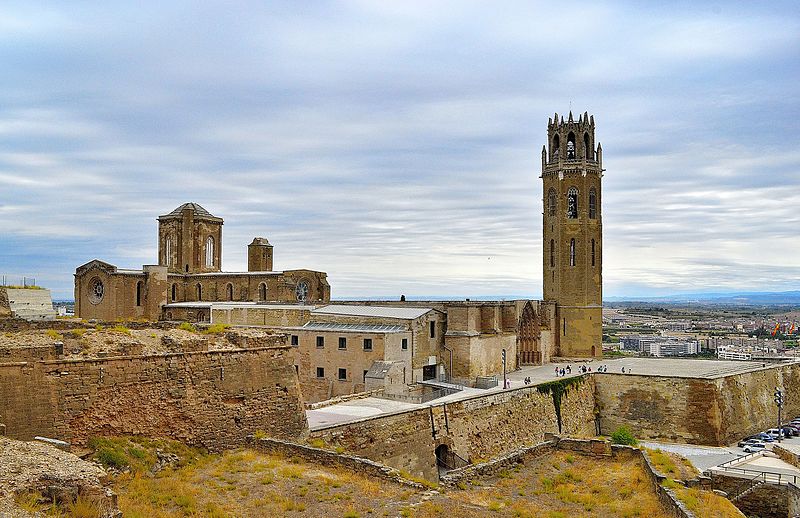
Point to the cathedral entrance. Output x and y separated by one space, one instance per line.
528 334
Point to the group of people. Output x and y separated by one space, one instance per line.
583 369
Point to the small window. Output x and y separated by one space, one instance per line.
365 376
572 203
342 342
592 204
262 291
295 340
320 342
229 291
404 344
433 329
199 292
139 293
592 252
552 202
168 252
572 252
367 344
209 252
174 292
342 374
565 327
552 253
320 372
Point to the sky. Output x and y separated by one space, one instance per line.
397 145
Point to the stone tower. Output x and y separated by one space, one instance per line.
259 255
573 233
190 240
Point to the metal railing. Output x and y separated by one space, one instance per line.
452 460
768 477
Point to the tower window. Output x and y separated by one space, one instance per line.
552 253
168 252
552 202
592 252
572 252
229 291
554 148
572 203
433 329
210 251
587 148
571 146
592 203
139 293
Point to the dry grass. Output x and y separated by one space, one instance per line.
671 464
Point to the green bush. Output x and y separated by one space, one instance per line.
623 435
186 326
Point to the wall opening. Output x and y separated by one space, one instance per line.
139 293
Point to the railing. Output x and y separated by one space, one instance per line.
747 487
768 476
739 459
452 460
429 394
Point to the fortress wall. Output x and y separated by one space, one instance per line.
209 399
477 429
716 411
656 407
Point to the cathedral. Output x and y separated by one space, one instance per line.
189 269
460 338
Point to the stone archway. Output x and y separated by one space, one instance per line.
529 333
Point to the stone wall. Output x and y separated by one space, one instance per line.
210 399
765 501
794 500
715 411
476 429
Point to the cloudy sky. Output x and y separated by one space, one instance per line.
396 145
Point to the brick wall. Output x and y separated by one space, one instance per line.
209 399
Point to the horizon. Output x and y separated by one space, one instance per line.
397 147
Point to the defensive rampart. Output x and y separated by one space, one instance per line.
475 429
210 399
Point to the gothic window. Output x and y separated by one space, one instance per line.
587 148
552 200
592 252
229 291
262 291
199 292
571 146
139 293
592 204
210 251
572 252
572 203
554 148
174 292
168 252
552 253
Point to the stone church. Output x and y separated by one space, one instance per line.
189 269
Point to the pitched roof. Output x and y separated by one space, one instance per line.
405 313
199 212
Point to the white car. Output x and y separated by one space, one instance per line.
754 448
775 433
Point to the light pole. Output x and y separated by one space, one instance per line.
505 383
779 403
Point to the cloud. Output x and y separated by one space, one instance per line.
397 145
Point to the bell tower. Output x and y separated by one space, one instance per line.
572 170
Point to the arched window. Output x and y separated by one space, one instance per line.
229 291
552 202
552 253
174 292
262 291
592 203
554 148
199 292
571 146
572 252
210 251
572 203
587 147
592 252
168 252
139 293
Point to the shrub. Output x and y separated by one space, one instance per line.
186 326
55 335
119 328
623 435
215 329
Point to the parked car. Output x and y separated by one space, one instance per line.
763 436
755 447
790 431
775 433
746 441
